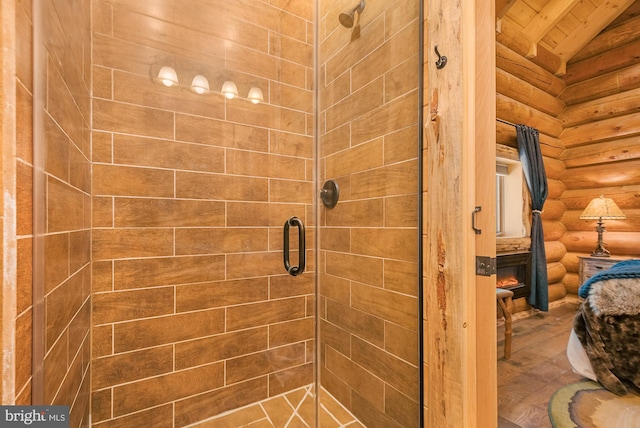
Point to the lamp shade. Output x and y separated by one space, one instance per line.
602 208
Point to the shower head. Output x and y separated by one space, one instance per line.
347 18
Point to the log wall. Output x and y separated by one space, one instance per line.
590 140
528 93
602 140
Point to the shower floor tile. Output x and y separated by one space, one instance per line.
293 409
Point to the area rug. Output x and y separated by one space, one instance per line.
588 405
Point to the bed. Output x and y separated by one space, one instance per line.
604 344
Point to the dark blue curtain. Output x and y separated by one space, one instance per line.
533 168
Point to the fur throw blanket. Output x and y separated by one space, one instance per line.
615 297
608 326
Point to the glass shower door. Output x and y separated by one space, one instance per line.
369 255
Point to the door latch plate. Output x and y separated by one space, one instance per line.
485 266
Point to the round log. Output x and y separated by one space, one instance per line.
571 261
506 136
619 149
601 130
556 188
553 167
556 292
554 250
553 209
626 173
519 90
517 112
571 282
553 230
602 108
615 58
602 86
513 60
520 305
625 197
572 222
618 243
555 272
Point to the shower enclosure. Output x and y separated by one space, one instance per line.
181 151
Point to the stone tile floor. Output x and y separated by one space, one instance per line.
294 409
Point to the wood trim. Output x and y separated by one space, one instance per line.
445 339
484 111
460 384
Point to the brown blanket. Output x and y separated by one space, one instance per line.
612 343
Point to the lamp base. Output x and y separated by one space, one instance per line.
600 251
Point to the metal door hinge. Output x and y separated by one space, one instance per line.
485 266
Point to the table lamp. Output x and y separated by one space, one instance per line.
601 208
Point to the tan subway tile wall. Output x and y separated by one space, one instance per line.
193 311
185 201
368 271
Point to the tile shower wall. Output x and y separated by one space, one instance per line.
64 138
368 265
193 313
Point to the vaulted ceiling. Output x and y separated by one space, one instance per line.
552 33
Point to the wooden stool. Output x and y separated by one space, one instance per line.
504 302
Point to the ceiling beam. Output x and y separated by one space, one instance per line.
547 18
503 6
602 16
627 32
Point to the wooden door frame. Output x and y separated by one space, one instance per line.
460 385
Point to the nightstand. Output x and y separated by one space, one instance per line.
589 266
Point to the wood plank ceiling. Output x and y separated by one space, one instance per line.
552 33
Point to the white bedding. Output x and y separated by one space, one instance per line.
578 358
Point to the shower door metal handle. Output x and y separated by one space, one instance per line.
294 270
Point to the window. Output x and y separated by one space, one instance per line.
509 199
